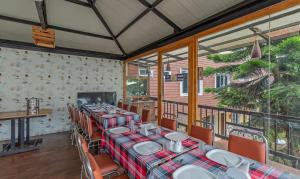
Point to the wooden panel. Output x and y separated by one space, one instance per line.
43 37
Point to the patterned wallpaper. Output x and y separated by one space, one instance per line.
55 79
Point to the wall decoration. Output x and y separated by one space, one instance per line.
55 79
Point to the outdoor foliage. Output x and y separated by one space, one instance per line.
136 87
274 79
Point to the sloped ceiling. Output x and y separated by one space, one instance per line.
147 24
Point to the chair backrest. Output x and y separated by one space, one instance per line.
86 161
133 109
76 115
96 170
145 114
84 121
168 123
69 106
204 134
90 127
81 145
80 117
125 106
120 104
252 149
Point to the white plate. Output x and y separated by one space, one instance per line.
192 172
119 130
176 136
147 148
220 156
148 126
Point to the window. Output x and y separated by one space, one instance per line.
184 84
200 87
143 72
222 80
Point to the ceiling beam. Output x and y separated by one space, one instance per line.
210 22
27 22
100 17
173 56
146 11
259 32
79 3
41 10
207 48
58 50
161 15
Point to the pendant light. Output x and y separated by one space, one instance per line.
168 67
256 50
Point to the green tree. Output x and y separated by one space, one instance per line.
136 87
279 69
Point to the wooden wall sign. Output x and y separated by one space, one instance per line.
179 77
43 37
168 78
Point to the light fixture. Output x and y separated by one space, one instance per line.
256 50
168 67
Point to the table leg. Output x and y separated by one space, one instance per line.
19 131
22 126
13 128
27 130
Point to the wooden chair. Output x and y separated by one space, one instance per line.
168 123
204 134
120 104
250 148
133 109
125 106
145 115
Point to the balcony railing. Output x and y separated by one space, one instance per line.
282 132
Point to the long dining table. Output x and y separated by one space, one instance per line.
108 116
162 164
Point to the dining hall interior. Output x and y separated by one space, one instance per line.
168 89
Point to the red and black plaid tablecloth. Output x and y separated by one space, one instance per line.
136 165
107 119
197 157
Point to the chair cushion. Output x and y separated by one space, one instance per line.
168 123
204 134
246 147
105 163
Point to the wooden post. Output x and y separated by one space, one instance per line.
160 87
192 82
124 79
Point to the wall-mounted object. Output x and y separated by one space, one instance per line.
43 37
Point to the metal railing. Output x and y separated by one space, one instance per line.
282 132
